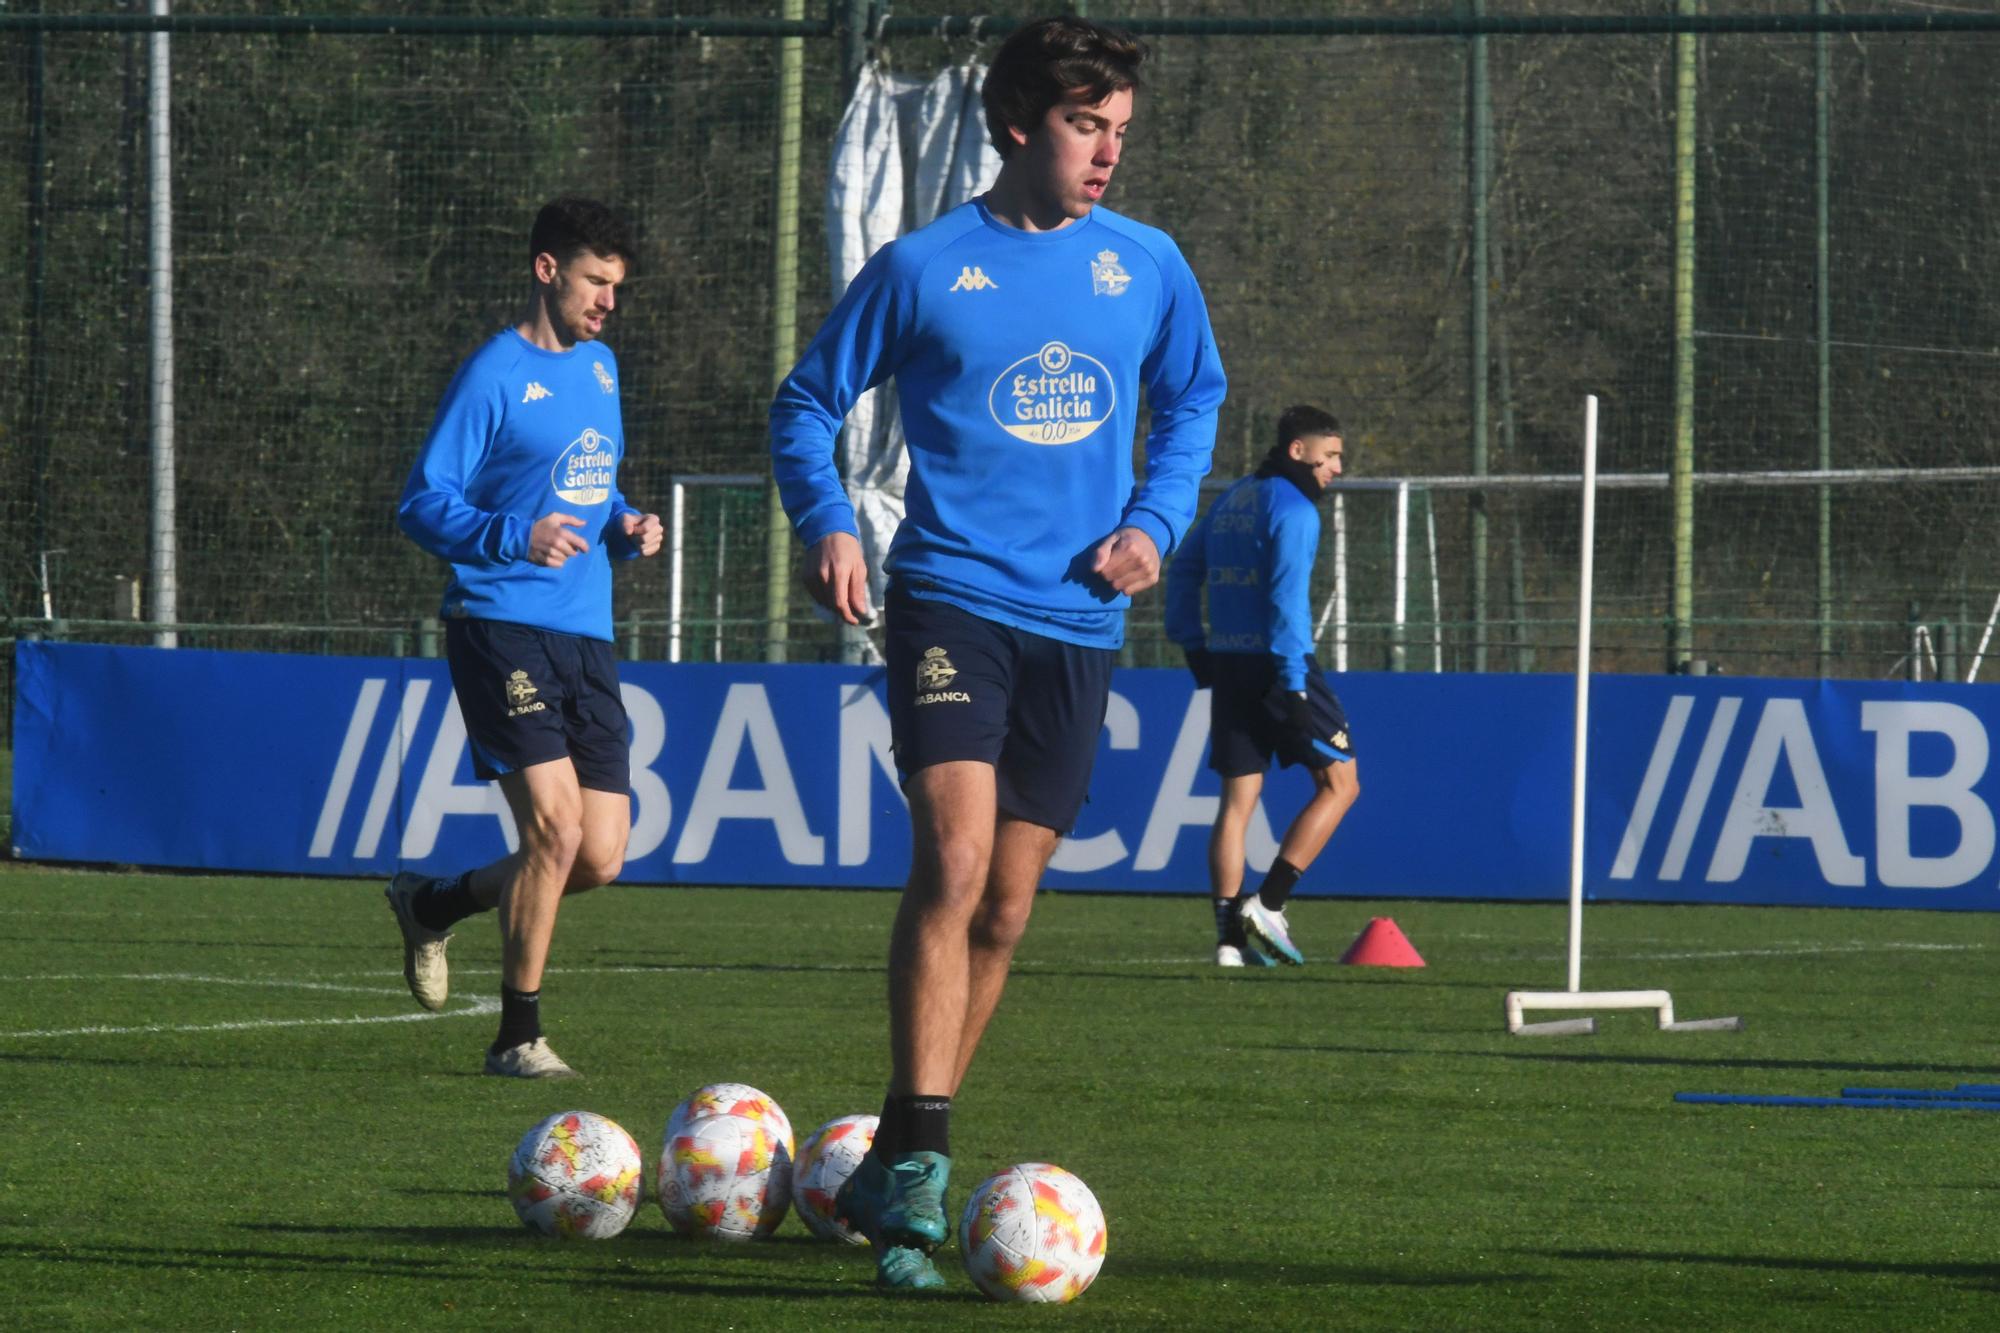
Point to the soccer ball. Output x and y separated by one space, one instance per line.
728 1099
726 1164
825 1162
575 1175
1033 1232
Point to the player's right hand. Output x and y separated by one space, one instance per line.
836 574
550 541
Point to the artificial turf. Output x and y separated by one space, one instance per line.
221 1110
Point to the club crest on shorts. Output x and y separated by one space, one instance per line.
935 671
521 695
1340 739
934 674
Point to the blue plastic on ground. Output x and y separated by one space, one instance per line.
1857 1103
1958 1094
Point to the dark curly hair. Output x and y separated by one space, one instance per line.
568 226
1053 60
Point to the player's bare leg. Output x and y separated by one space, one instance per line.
1335 788
952 818
1021 852
896 1197
1225 841
548 809
548 815
1225 863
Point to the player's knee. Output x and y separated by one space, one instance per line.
1001 924
957 868
554 836
594 869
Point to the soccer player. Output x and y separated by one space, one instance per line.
1020 328
517 486
1253 550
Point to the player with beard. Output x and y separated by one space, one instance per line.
517 488
1253 551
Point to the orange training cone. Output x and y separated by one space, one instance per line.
1382 944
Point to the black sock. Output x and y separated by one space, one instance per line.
520 1017
1228 925
444 903
1278 884
913 1124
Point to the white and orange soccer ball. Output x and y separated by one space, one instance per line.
1033 1232
826 1159
576 1175
726 1164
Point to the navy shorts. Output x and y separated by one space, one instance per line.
1247 726
531 695
964 687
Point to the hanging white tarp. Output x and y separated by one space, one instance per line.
906 151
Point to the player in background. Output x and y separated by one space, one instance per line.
1020 328
517 486
1253 551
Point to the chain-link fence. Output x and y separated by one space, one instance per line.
1447 236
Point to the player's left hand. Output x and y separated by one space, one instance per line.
1128 561
644 531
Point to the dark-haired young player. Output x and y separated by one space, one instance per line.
1253 551
1020 329
517 486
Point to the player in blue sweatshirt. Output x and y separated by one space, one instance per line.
1021 330
1253 553
517 487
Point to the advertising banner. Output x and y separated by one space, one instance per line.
1834 793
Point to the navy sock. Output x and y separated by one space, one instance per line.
520 1017
1228 925
1278 885
443 903
913 1124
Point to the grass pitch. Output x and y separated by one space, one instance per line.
221 1110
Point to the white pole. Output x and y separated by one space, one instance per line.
1437 600
676 538
1984 639
1339 581
161 564
721 561
1586 562
1402 567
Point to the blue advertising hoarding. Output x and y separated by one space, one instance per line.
1710 790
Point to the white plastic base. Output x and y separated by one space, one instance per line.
1659 1001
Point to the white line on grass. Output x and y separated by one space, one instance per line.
477 1006
285 982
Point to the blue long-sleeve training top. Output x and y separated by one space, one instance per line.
1253 553
523 432
1018 358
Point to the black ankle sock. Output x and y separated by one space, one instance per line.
1278 884
443 903
520 1017
913 1124
1228 925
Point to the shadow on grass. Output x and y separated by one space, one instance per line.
648 1238
425 1192
99 942
1249 1272
495 1261
1951 1072
1983 1276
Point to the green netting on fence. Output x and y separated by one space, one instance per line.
349 215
